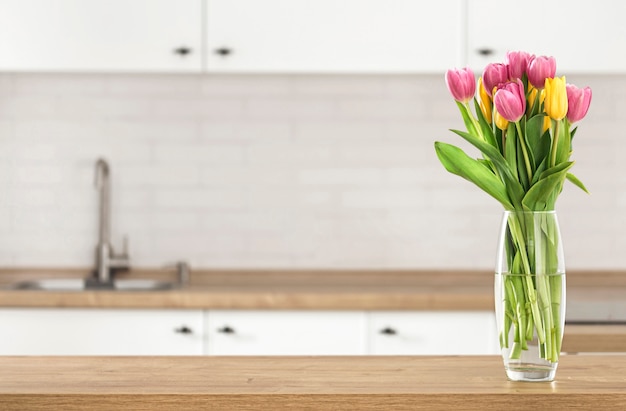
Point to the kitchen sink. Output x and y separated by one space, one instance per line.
81 284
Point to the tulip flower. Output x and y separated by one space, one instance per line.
501 122
532 96
494 75
461 84
539 69
555 103
510 100
578 100
484 101
518 63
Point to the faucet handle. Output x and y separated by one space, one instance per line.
183 271
120 261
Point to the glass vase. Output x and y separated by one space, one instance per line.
530 294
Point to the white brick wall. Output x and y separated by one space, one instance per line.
274 171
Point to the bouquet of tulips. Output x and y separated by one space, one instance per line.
523 127
522 121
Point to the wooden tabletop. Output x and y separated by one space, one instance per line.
304 383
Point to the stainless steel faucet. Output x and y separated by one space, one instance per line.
106 259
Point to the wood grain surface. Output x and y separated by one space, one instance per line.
274 289
304 383
303 289
594 338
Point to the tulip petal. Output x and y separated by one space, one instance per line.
461 84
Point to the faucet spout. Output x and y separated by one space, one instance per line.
104 187
106 259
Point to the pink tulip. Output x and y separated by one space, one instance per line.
510 100
578 101
461 83
539 69
494 75
518 63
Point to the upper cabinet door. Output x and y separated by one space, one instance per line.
356 36
583 36
101 35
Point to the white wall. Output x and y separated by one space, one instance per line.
274 171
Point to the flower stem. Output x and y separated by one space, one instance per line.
522 141
555 140
533 290
477 129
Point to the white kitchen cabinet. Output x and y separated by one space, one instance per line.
432 333
72 331
334 35
100 332
583 36
101 35
245 332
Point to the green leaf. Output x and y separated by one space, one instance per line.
498 136
487 130
457 162
564 143
515 190
543 193
539 147
510 150
573 179
521 166
560 167
469 124
540 170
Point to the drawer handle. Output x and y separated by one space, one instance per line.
182 51
485 51
226 330
183 330
223 51
388 331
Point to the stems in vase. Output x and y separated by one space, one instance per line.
533 285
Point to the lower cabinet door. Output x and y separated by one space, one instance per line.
100 332
246 332
432 333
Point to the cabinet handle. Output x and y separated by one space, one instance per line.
182 51
388 331
226 330
223 51
183 330
485 51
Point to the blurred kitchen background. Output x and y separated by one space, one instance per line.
284 167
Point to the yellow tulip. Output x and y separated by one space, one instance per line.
546 123
555 104
484 101
532 95
501 122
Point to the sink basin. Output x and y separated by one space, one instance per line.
80 284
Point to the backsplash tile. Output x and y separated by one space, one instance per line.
274 171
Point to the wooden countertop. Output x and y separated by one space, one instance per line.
304 383
276 289
306 289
